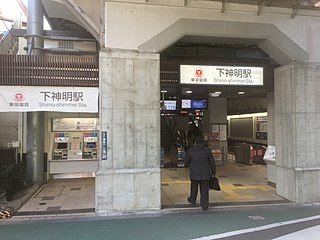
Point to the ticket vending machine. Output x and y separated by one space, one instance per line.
90 145
60 146
75 145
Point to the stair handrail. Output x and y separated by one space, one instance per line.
175 133
7 38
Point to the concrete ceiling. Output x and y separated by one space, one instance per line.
64 20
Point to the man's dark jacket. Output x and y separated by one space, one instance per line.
201 162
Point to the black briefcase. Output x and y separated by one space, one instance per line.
214 183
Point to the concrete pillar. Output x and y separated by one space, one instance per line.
297 131
129 180
216 114
271 164
35 140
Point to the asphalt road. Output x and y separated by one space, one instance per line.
236 223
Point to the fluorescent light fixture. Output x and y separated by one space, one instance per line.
262 114
189 91
214 94
240 93
164 91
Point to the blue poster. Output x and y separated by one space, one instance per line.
198 104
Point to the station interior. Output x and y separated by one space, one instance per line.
238 117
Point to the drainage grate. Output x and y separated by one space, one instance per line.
75 189
42 203
47 198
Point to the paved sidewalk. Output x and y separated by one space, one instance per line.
188 224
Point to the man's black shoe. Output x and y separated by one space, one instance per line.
192 203
204 208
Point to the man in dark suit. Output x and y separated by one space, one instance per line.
202 166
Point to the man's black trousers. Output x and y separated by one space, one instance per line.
204 192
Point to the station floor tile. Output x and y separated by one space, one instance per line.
237 186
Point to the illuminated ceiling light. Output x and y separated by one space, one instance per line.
164 91
240 93
213 94
189 91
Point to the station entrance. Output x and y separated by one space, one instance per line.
231 118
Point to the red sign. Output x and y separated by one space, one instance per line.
19 96
198 72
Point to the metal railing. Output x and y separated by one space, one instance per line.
8 43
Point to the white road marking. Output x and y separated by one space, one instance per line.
249 230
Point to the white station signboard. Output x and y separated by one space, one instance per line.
51 99
221 75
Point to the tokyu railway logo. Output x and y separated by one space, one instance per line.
19 96
198 72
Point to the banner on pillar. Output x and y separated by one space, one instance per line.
49 99
104 145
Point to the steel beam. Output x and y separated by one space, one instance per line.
224 5
295 9
260 6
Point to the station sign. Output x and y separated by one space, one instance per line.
49 99
221 75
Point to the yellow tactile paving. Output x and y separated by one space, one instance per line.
175 181
233 192
259 187
237 185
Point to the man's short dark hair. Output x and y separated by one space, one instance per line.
198 139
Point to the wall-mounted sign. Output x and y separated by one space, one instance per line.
169 105
221 75
194 104
104 145
270 154
49 99
75 124
262 128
